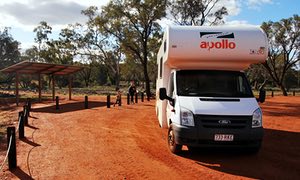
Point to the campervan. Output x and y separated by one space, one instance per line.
203 95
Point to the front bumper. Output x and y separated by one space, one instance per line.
199 136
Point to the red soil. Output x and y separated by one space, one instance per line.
126 143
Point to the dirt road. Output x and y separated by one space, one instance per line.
126 143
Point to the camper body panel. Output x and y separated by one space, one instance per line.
209 50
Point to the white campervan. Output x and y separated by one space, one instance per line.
210 102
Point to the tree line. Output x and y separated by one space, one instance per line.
119 41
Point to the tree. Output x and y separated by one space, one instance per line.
42 31
133 24
100 45
284 48
257 75
197 12
9 54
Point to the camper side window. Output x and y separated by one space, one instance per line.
160 67
171 85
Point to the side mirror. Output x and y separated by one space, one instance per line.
162 93
262 95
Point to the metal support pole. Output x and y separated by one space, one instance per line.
17 88
21 125
108 101
40 88
86 102
70 86
53 87
12 151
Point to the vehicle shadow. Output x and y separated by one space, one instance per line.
69 107
278 158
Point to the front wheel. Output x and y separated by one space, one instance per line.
174 148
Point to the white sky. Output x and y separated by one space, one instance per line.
22 16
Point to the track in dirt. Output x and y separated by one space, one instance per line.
126 142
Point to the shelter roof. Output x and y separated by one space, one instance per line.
27 67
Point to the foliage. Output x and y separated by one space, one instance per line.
284 48
197 12
9 54
257 75
134 24
42 31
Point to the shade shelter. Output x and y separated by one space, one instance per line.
27 67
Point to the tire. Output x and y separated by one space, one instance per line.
174 148
254 149
193 149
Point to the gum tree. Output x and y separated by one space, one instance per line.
197 12
284 48
133 23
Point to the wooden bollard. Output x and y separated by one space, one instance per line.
25 115
120 101
108 101
86 102
136 97
29 105
142 96
128 99
12 151
21 125
294 93
272 93
57 103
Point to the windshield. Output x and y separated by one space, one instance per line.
212 84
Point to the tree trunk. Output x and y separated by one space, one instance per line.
283 90
117 80
147 80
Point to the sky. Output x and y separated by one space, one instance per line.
22 16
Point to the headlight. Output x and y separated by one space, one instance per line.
257 118
187 117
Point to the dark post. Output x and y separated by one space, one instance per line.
25 115
136 97
29 105
272 93
108 101
86 102
128 99
12 152
142 96
120 102
294 93
57 103
21 125
148 98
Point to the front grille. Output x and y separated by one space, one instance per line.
229 122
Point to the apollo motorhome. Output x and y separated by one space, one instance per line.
203 96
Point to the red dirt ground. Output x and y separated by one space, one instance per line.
126 143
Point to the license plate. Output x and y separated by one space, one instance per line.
223 137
